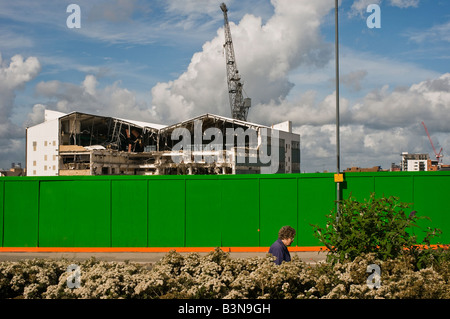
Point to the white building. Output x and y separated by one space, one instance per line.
85 144
42 146
415 162
291 143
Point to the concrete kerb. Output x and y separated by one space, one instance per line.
310 257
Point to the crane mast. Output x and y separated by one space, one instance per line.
239 105
438 155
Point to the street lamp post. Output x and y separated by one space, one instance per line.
338 164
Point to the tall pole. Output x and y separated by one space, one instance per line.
338 164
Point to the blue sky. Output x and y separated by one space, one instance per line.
162 61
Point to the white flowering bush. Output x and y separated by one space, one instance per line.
28 278
217 275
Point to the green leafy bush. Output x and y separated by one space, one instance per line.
378 225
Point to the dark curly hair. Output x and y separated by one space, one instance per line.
286 232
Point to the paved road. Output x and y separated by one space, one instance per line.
138 257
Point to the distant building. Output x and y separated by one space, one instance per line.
86 144
418 162
359 169
15 170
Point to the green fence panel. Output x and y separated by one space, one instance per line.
316 199
166 212
431 199
198 211
358 185
2 195
278 208
240 212
203 204
129 213
21 214
401 186
75 213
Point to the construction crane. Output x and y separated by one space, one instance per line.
239 105
438 155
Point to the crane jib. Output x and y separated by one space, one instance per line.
239 105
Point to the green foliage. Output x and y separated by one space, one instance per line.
377 225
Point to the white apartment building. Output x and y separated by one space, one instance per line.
415 162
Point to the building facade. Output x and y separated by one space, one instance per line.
86 144
417 162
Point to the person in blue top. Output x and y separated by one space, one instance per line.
279 247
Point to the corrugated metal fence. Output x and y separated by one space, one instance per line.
197 211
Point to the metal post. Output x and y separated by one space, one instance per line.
338 196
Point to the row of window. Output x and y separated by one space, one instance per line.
45 159
49 168
46 143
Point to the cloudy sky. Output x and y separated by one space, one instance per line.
162 61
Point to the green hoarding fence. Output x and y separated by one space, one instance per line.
198 210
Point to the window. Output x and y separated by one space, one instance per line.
34 145
34 163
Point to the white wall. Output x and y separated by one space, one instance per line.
413 165
42 149
285 132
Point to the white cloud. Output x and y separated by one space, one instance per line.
359 7
265 54
89 84
18 72
379 127
111 100
12 40
36 116
440 32
13 77
428 100
353 79
404 3
113 11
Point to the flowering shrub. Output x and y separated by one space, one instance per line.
217 275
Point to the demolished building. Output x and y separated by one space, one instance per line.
85 144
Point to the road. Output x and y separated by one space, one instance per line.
139 257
